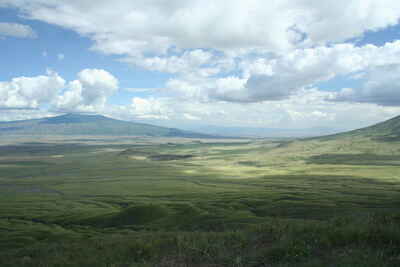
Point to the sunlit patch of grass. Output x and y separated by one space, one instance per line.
57 156
137 157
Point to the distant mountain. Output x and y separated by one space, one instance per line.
77 124
384 131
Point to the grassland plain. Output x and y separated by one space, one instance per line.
95 201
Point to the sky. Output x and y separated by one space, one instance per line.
288 64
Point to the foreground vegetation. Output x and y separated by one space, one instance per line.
363 241
182 202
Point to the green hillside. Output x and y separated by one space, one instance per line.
77 124
376 145
384 131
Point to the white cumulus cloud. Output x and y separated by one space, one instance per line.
30 92
89 92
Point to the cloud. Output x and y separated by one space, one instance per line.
280 77
149 108
270 49
139 90
306 109
142 29
30 92
381 87
187 62
343 20
89 92
262 78
16 30
23 114
234 62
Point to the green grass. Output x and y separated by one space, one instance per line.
258 203
363 241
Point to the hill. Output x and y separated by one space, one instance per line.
376 145
78 124
384 131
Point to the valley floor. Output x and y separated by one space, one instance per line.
96 201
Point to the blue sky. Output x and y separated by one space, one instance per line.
202 63
42 53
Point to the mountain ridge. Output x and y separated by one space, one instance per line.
79 124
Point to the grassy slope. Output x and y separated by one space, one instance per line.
385 131
250 204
